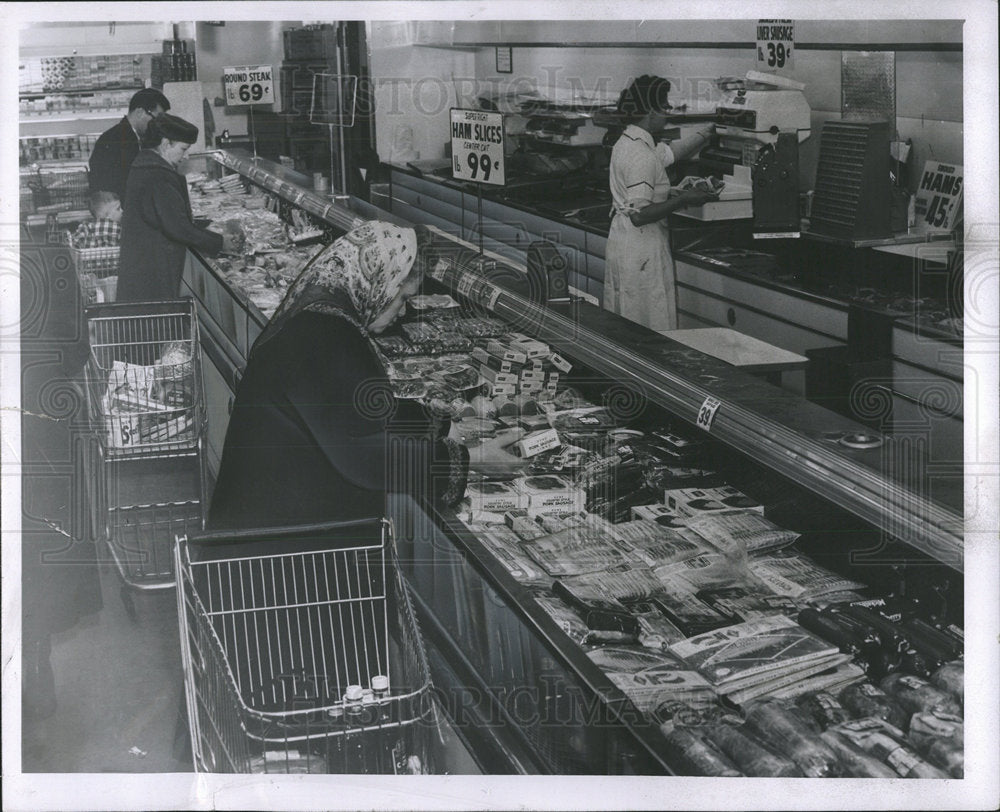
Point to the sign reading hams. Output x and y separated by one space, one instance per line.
939 196
477 146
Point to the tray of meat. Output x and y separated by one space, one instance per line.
420 331
394 346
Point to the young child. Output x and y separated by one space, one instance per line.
105 229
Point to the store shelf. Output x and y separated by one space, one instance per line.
75 91
68 115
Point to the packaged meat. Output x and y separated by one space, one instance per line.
866 699
691 755
749 755
927 728
786 733
950 678
915 695
746 530
949 755
854 761
824 708
888 744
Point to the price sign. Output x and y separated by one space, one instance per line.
775 41
939 196
248 84
706 414
477 146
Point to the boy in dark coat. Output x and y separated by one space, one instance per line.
158 227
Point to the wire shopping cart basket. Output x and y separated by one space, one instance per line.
144 384
301 652
97 272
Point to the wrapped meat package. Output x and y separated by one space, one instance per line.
749 755
784 731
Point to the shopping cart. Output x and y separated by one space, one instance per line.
301 652
57 188
144 384
97 271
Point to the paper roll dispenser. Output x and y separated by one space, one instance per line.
547 279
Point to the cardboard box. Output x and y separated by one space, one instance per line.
505 352
699 501
552 491
494 377
537 442
559 362
496 497
493 390
494 362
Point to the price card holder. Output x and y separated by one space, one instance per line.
465 285
490 296
706 414
248 85
477 146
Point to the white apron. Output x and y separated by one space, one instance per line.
639 269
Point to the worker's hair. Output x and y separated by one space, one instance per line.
642 95
147 99
100 200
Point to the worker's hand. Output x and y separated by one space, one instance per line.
698 197
492 455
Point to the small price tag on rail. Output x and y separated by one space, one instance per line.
248 84
477 139
706 414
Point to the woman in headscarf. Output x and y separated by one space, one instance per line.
639 269
315 434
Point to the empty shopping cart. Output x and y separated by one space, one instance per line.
301 652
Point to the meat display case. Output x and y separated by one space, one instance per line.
525 696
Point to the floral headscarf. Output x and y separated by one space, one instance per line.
355 277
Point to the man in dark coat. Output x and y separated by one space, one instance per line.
157 225
118 147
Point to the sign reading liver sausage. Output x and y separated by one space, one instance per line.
248 84
477 146
775 44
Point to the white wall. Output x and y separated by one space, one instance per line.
237 43
413 88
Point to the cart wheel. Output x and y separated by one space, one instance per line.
129 603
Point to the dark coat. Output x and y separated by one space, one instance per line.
112 158
310 439
157 230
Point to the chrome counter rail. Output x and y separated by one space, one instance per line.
267 175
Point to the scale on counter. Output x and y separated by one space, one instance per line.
759 124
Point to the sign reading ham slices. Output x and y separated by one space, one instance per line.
477 146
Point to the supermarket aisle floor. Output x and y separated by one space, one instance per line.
118 687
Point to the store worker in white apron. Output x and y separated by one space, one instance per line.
639 270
